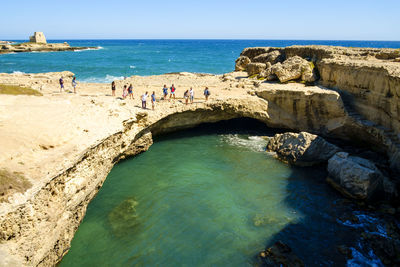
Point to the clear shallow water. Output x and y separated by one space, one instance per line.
209 198
119 58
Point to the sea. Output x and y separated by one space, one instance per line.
116 59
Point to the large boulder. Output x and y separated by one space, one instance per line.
255 68
241 63
271 57
294 68
302 149
355 177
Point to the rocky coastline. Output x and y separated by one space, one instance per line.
7 48
315 92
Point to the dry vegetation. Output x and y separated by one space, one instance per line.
17 90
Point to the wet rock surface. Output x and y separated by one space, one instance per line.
280 254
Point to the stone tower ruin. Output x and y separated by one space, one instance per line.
38 37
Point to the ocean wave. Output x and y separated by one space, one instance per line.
18 72
9 63
106 79
254 143
90 48
132 67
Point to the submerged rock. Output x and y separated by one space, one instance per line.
280 254
123 218
302 149
387 249
355 177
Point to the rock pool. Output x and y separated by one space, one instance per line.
210 196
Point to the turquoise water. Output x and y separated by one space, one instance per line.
208 198
119 58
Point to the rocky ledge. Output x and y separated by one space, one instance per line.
38 47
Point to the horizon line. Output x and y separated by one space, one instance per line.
227 39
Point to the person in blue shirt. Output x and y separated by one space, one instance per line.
74 84
130 91
61 81
165 91
206 93
153 99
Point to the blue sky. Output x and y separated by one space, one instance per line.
218 19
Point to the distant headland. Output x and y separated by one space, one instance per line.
37 43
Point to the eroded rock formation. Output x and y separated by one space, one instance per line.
367 80
38 47
302 149
353 176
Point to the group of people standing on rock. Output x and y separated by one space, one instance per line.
187 96
74 84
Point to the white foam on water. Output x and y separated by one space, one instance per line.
106 79
89 49
132 67
9 63
254 143
18 72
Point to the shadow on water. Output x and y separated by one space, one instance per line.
231 217
237 126
310 238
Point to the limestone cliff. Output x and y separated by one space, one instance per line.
367 79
